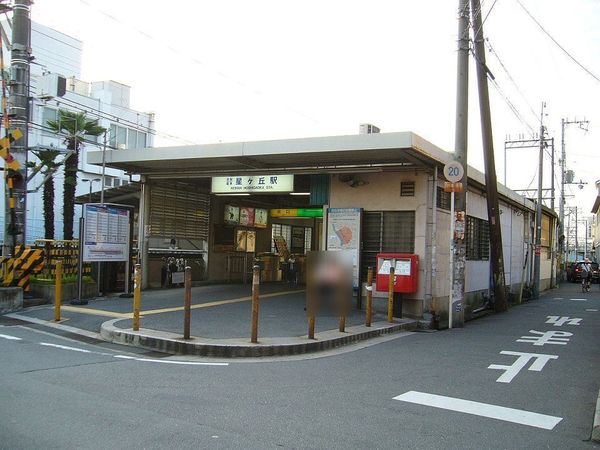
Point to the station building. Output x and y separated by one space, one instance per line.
219 206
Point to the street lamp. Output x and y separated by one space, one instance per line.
91 182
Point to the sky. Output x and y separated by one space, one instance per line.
239 70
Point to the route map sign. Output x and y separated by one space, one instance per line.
106 232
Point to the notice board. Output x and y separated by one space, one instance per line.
343 233
106 232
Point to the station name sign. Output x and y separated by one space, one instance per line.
252 184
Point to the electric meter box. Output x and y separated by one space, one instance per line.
406 272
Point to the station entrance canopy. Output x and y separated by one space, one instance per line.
331 154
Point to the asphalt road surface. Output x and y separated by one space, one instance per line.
414 390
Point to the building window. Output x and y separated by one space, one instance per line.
385 231
48 114
443 199
407 189
122 137
478 239
118 136
546 238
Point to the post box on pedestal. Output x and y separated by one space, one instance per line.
406 272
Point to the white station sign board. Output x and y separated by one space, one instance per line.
106 232
252 184
454 171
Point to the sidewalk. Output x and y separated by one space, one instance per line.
220 322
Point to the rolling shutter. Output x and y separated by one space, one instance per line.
179 213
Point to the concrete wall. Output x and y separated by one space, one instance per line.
11 299
382 193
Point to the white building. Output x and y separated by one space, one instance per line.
108 101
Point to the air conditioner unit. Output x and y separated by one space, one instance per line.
122 147
367 128
52 85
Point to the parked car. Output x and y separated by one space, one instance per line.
574 272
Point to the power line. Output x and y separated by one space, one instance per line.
589 72
510 77
198 62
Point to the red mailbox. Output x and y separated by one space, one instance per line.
406 272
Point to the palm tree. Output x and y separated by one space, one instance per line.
48 166
75 127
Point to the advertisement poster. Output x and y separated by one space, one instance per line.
106 232
232 214
260 218
343 233
247 217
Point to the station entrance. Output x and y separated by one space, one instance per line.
222 233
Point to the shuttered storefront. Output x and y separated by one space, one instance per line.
180 213
386 231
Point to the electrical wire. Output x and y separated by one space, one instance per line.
510 77
571 57
198 62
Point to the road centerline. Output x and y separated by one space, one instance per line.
490 411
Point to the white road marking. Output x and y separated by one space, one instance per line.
559 298
518 416
578 299
10 338
162 361
523 358
592 310
559 321
65 347
548 337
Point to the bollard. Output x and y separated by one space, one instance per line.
311 325
342 306
255 293
187 302
58 291
391 296
369 309
137 296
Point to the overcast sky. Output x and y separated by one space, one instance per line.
234 70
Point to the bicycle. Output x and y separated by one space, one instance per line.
585 283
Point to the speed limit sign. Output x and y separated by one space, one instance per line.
454 171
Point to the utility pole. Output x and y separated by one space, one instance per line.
460 155
18 111
496 253
561 208
538 213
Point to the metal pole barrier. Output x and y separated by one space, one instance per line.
369 309
58 291
137 296
391 296
342 317
187 306
255 304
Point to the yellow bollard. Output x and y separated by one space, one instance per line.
137 296
391 296
369 309
58 291
255 303
187 304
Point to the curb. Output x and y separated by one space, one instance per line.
240 348
596 426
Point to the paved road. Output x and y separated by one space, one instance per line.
59 393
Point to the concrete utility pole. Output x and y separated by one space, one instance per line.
496 253
563 251
18 112
460 155
538 212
